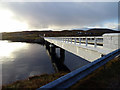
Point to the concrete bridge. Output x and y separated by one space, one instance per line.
89 48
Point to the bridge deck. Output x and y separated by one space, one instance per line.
91 47
89 52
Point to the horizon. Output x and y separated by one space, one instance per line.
62 30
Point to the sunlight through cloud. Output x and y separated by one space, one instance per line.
8 22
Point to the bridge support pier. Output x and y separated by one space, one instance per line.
52 48
57 60
62 54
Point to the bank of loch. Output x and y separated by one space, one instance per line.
106 77
33 82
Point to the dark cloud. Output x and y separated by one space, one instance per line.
43 15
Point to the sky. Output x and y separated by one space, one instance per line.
21 16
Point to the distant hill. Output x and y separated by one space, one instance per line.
100 30
50 33
91 32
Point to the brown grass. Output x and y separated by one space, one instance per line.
106 77
33 82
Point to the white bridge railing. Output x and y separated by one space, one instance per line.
80 40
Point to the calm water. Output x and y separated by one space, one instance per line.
21 60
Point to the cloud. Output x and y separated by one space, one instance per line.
63 14
111 25
60 0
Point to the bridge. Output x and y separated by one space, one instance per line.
97 50
89 48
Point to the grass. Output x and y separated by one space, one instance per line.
105 77
23 37
33 82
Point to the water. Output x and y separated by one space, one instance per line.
22 60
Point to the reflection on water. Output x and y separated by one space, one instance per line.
7 49
21 60
28 60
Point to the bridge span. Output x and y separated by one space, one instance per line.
107 44
89 48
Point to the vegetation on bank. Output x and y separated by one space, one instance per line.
106 77
23 37
33 82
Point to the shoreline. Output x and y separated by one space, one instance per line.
40 41
33 82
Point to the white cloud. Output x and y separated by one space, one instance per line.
111 25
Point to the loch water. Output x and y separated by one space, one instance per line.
20 60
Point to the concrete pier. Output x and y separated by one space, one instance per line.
57 62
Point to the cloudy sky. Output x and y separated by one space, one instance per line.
17 16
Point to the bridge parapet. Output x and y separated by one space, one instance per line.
80 40
109 41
